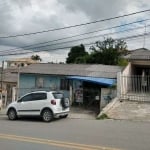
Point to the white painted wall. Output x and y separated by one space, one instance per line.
124 82
128 70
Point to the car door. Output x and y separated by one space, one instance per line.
25 105
39 101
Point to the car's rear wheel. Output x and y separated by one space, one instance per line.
12 115
47 115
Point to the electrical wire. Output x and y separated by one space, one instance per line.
87 44
101 35
73 26
95 31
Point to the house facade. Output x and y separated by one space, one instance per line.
134 80
8 85
88 85
22 62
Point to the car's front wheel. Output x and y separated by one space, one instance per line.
12 115
47 115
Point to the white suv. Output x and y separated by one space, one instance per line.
48 105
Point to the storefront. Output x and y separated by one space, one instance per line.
86 91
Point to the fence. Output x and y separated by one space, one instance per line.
135 88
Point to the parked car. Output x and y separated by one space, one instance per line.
47 105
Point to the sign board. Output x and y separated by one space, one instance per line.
79 95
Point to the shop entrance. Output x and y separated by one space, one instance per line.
92 96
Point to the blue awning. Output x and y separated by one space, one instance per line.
100 81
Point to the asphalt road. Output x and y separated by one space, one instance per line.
80 134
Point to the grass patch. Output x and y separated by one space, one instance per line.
103 116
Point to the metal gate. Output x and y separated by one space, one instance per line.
135 88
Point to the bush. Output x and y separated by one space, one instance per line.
103 116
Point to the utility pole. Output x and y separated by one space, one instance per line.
2 75
1 90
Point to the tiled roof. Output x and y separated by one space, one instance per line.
139 54
72 69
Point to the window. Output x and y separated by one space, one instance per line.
27 98
58 95
39 96
64 84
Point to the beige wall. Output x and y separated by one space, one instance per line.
105 92
128 70
123 82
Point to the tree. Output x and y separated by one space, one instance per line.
75 54
36 57
108 52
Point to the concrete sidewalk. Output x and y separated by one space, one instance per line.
80 113
128 110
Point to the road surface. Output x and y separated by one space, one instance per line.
68 134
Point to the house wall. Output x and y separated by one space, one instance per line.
128 70
28 83
125 81
107 94
75 92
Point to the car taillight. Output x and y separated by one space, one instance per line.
53 102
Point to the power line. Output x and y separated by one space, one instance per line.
60 48
30 46
84 38
73 26
101 35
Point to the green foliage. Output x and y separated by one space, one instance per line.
103 116
76 53
82 59
122 62
36 57
108 52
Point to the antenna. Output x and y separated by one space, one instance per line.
144 37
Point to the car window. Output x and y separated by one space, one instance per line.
58 95
27 98
39 96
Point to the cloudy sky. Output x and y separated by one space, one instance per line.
20 17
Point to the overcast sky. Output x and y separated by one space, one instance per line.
25 16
